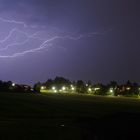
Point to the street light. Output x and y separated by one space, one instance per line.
128 88
53 88
42 87
63 88
111 90
89 89
55 91
13 84
73 88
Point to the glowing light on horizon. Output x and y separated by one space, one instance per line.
89 89
63 88
73 88
53 88
96 89
55 91
13 84
42 87
111 90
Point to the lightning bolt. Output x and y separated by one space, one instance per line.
14 22
45 42
8 36
44 45
32 36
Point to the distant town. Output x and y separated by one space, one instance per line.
60 85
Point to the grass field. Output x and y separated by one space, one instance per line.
67 117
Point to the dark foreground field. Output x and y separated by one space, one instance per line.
57 117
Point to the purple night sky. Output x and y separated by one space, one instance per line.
95 40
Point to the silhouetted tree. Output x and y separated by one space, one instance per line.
113 85
37 87
5 86
49 83
135 88
80 87
60 81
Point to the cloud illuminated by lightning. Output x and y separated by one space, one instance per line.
45 42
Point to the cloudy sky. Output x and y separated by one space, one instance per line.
78 39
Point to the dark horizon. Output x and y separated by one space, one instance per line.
87 40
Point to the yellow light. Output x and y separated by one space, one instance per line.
96 89
128 88
53 88
89 89
55 91
63 88
42 88
72 88
111 90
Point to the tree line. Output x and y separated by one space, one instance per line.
80 87
63 85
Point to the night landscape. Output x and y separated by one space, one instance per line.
69 69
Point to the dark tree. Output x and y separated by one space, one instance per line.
49 83
80 87
37 87
60 81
